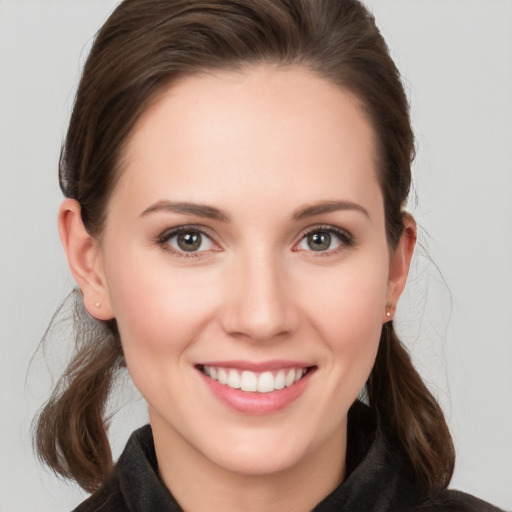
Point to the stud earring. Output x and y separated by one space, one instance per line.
389 307
98 304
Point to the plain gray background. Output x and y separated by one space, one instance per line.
456 58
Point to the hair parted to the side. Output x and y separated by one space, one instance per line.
143 48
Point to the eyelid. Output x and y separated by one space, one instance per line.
163 238
346 238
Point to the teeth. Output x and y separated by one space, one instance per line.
290 378
279 380
233 379
265 382
249 381
222 376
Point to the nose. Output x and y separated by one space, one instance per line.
259 304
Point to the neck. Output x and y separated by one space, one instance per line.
200 485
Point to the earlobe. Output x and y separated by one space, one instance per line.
400 262
85 260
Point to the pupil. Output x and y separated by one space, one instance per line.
319 241
189 241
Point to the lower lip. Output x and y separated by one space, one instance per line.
257 404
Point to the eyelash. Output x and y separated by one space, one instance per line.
163 240
346 240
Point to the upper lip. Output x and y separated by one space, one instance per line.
257 367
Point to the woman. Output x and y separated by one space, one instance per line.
235 176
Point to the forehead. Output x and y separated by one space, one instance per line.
264 129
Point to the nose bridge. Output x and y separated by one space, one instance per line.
260 305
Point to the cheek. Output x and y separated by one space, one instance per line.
160 313
157 308
346 312
349 297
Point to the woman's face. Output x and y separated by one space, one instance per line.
245 246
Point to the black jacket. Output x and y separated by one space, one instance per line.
378 480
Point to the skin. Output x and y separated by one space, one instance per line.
259 145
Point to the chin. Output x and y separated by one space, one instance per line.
256 462
263 451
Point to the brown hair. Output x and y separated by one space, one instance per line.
143 48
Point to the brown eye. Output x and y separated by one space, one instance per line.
189 241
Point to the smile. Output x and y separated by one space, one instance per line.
263 382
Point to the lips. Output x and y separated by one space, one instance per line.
252 381
256 388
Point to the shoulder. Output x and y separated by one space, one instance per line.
451 500
134 484
379 478
108 498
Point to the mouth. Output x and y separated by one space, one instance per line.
259 382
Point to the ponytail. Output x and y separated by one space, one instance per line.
71 428
408 415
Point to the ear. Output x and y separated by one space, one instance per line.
85 260
399 264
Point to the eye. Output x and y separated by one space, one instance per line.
324 240
186 241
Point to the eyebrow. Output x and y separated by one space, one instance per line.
201 210
327 207
210 212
